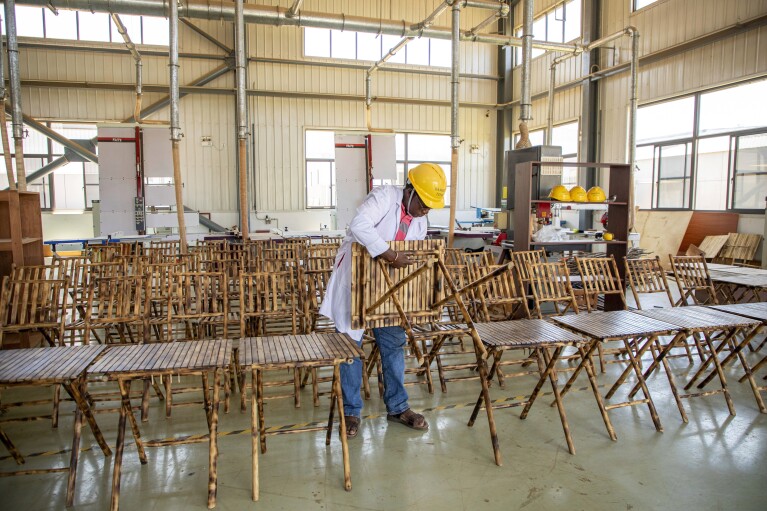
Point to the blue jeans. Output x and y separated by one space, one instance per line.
390 341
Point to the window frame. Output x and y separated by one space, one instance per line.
544 15
331 163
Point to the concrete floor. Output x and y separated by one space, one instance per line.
713 462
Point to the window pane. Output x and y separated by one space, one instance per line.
566 136
536 137
319 191
735 108
368 46
63 26
638 4
441 52
133 24
94 26
673 161
673 174
29 21
711 173
643 179
68 187
389 42
320 145
556 25
42 187
34 143
156 31
666 121
343 45
428 148
399 143
316 42
418 51
672 193
539 32
572 20
751 172
517 49
569 174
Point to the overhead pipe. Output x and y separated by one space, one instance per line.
493 17
527 56
4 133
455 141
268 15
424 24
294 9
242 115
15 82
175 128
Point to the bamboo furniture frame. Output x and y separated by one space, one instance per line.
63 366
33 306
124 364
692 278
647 276
540 337
691 320
599 276
621 326
260 354
550 282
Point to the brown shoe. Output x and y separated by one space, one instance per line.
410 419
352 426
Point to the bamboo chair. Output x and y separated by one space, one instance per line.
83 277
692 278
484 258
160 302
647 276
33 305
104 253
53 271
165 248
269 307
117 304
453 256
521 260
599 276
202 305
550 283
319 266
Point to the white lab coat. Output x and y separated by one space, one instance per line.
375 223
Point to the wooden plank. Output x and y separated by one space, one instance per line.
703 224
711 245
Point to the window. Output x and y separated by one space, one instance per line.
558 25
320 169
87 26
719 164
414 148
641 4
337 44
536 137
566 136
73 186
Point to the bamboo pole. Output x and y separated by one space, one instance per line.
177 184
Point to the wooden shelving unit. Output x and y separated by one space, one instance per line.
21 230
620 179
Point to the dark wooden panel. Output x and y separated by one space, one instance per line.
704 224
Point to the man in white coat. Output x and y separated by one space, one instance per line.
388 213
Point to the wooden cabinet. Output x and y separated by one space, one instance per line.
21 230
619 176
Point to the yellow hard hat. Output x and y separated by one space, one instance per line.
596 194
559 193
578 194
429 182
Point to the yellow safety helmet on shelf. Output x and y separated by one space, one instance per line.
596 194
578 194
559 193
429 182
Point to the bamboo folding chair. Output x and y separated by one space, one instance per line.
483 258
104 253
53 271
453 256
550 282
269 307
202 305
230 263
160 277
692 278
599 276
33 305
82 279
521 260
319 266
164 249
117 304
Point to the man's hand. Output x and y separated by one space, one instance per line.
396 259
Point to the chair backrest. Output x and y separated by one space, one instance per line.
501 292
599 276
647 276
692 277
268 297
523 258
483 258
200 296
453 256
550 282
318 268
53 271
30 304
424 286
117 300
739 247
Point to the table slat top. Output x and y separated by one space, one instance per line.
740 280
697 317
46 365
524 333
615 324
163 358
297 349
756 310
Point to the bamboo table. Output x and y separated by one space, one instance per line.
626 327
695 319
540 337
53 366
741 286
757 311
290 352
141 361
